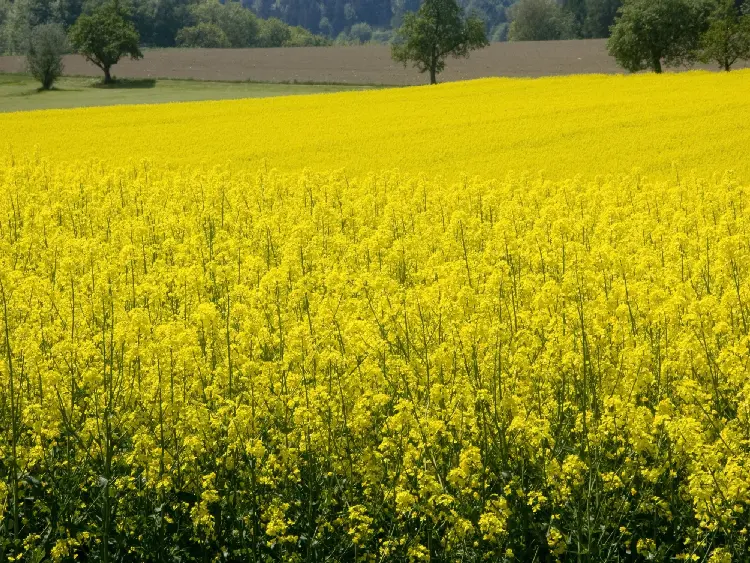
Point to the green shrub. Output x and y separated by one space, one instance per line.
301 37
325 27
239 25
343 38
382 36
273 33
44 58
360 33
539 20
205 35
499 33
15 31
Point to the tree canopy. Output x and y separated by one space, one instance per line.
652 33
158 22
44 59
205 35
540 20
600 16
727 38
436 31
105 36
239 25
305 22
641 37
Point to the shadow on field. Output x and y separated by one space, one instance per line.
126 84
38 91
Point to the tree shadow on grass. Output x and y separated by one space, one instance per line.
126 84
37 91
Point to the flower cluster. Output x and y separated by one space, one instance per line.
221 365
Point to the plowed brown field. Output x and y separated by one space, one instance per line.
353 65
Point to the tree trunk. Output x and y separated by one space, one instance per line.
657 64
433 75
727 66
107 76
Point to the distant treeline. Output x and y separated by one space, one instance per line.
273 23
160 23
345 19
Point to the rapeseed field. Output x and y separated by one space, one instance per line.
564 127
408 352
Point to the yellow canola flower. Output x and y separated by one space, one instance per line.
664 126
463 357
248 363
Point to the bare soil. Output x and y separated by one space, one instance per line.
349 65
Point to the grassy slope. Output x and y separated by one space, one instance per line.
19 92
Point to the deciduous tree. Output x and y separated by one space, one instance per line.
44 58
240 25
105 36
540 20
600 16
273 33
437 30
204 35
650 33
727 39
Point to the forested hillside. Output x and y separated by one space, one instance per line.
160 23
336 16
271 23
580 18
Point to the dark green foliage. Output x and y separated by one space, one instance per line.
241 28
727 39
650 33
361 33
158 21
492 12
5 7
44 58
104 37
438 30
240 25
16 29
325 27
540 20
273 33
600 16
578 11
301 37
332 17
205 35
383 36
500 32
